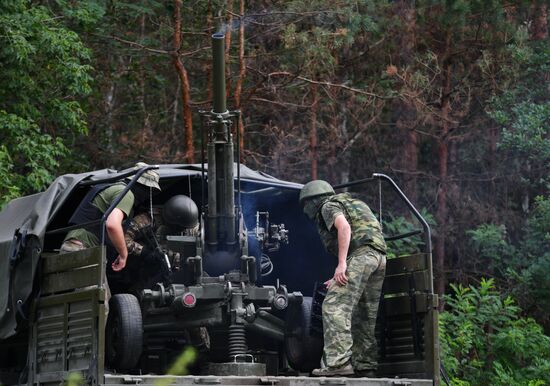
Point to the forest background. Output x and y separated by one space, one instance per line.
449 97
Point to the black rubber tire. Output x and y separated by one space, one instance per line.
124 332
303 350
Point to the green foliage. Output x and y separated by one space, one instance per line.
530 274
28 158
179 367
43 75
484 341
525 266
522 112
399 225
528 126
489 243
333 27
74 378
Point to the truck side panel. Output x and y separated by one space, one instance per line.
67 329
407 322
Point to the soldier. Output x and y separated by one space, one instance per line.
96 202
146 234
349 231
179 216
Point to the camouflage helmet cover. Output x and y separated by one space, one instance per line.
150 178
315 188
181 211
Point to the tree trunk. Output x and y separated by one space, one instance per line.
184 79
228 31
146 133
443 157
539 25
109 107
404 110
493 141
240 79
313 131
333 141
207 63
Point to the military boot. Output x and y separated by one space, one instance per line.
343 371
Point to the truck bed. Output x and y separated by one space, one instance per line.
166 380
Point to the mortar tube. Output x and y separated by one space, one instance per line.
218 74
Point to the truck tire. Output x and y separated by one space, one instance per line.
303 350
124 332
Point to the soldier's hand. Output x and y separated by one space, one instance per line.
340 274
119 263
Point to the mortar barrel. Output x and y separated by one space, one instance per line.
218 73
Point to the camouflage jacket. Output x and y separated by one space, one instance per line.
135 234
141 230
365 228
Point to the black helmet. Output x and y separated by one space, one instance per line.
181 211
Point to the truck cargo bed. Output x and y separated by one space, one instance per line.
165 380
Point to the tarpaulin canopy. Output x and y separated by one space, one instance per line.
24 222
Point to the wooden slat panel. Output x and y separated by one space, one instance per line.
404 264
72 297
67 261
401 304
400 283
79 278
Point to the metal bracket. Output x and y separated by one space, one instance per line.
129 380
268 381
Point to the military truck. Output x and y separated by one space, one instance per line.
242 290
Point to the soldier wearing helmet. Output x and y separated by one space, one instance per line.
181 214
146 234
350 231
96 202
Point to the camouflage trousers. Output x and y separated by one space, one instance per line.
349 312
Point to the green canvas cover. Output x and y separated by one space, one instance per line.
23 224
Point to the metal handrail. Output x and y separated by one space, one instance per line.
425 225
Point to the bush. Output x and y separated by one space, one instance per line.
484 341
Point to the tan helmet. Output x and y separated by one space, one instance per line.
315 188
150 178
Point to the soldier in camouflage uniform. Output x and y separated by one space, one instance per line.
350 231
95 203
179 216
146 234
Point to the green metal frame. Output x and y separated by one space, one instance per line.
67 328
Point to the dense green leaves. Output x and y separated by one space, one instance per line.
490 244
43 72
485 341
28 157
